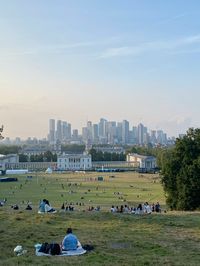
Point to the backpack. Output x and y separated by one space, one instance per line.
88 247
54 249
44 248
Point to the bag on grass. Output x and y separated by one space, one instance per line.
88 247
55 249
44 248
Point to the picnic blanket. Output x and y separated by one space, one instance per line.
78 251
47 212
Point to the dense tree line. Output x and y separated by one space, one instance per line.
48 156
181 172
143 150
8 149
158 152
72 148
106 156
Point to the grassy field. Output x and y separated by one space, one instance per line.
171 238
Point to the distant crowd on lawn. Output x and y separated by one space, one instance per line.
144 208
45 207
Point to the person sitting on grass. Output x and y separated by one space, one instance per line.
15 207
28 207
147 208
45 207
48 207
112 209
139 209
42 206
2 202
70 241
157 207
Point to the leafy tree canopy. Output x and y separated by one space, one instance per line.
106 156
73 148
181 172
8 149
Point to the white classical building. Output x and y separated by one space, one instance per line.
141 161
6 159
74 162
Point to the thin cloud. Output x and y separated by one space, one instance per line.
186 51
61 48
149 47
172 19
53 49
122 51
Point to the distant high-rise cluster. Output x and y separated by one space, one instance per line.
105 132
60 131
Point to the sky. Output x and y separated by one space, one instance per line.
78 60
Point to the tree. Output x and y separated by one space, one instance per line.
7 149
73 148
23 158
96 155
106 156
49 156
181 172
1 130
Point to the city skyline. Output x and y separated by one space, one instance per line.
101 132
106 132
82 60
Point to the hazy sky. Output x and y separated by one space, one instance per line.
80 60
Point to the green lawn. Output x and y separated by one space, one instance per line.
171 238
133 188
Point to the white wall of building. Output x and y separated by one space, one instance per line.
141 161
74 162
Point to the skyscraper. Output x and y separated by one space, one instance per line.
111 132
69 131
102 128
140 134
153 137
95 136
84 134
51 135
64 131
119 132
59 130
102 131
125 131
135 135
89 131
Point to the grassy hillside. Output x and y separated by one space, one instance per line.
171 238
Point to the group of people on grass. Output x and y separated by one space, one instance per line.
67 207
45 207
144 208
